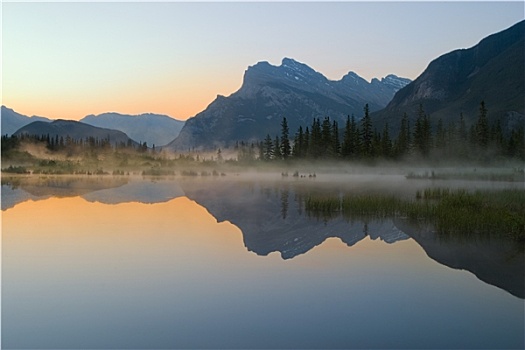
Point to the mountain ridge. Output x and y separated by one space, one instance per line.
154 129
76 130
269 92
12 120
456 82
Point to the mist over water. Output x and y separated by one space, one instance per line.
238 262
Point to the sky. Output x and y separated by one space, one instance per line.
70 59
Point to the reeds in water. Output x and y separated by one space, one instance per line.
453 212
372 205
482 212
327 204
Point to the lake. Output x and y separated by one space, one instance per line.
237 262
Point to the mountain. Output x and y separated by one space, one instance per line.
12 121
148 127
457 82
292 90
494 260
273 219
154 129
75 130
112 190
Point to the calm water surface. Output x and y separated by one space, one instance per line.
237 263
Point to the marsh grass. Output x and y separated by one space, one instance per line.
509 175
433 193
322 203
372 205
452 212
482 212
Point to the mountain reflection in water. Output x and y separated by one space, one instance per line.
131 263
271 217
273 220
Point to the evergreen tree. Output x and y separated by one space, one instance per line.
246 153
386 143
268 148
462 138
516 144
497 135
336 146
306 144
440 135
409 136
346 148
422 133
51 144
315 146
376 144
285 142
10 142
452 141
355 139
277 149
366 134
482 127
298 146
326 137
403 139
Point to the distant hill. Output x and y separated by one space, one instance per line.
292 90
12 121
456 82
75 130
154 129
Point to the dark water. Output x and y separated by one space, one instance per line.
236 262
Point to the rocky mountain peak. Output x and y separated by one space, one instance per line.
292 89
352 78
290 71
299 70
395 81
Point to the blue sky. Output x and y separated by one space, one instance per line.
67 59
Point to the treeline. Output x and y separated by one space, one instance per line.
69 144
360 141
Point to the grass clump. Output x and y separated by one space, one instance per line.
512 175
372 205
482 212
435 193
452 212
326 204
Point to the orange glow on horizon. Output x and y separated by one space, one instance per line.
191 106
180 101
